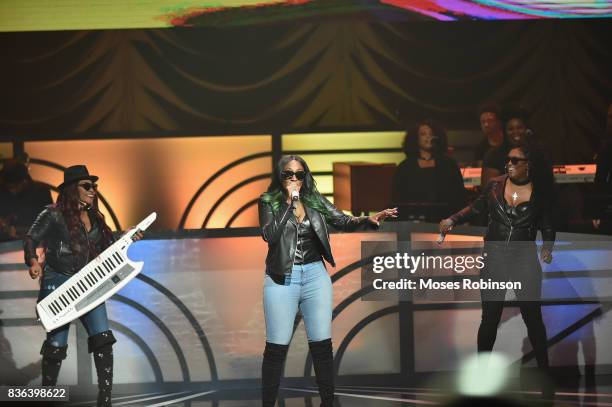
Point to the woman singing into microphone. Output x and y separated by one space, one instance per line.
517 204
293 217
74 232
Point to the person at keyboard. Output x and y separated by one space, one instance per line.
74 232
428 183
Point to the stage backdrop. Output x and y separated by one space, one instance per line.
37 15
199 182
291 77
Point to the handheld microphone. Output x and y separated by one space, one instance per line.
442 235
295 196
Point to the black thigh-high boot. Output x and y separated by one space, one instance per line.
101 345
271 369
51 362
536 331
323 361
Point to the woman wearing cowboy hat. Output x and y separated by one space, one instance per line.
74 232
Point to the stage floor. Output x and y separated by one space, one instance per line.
350 396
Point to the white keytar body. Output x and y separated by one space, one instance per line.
93 284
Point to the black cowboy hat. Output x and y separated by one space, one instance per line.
76 173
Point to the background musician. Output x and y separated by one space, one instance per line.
21 199
428 182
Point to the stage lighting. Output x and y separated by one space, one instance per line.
483 374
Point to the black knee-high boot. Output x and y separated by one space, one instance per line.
51 362
323 361
271 369
101 345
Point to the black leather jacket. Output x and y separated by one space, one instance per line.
280 230
521 225
50 227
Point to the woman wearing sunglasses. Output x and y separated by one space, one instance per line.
74 232
293 217
517 205
516 132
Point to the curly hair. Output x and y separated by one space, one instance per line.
68 204
514 112
490 108
410 145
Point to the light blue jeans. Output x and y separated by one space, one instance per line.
95 321
309 288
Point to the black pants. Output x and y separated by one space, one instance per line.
531 312
518 262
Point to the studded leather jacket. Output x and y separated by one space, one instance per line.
51 228
280 230
511 223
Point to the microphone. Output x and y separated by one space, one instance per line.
442 235
528 133
295 196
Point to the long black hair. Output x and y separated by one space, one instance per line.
309 194
68 204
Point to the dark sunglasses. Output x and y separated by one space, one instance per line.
516 160
88 185
287 174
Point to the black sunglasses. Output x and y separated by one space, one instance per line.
288 174
88 185
516 160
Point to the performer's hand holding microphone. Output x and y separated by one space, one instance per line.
295 195
446 225
293 192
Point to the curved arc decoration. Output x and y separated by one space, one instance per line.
162 326
356 329
214 177
230 191
239 212
190 317
157 372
